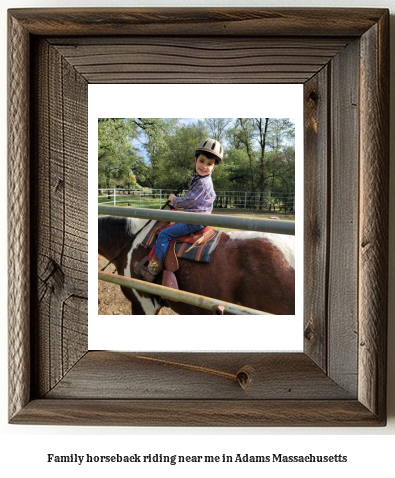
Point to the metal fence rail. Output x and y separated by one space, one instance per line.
249 224
221 220
203 302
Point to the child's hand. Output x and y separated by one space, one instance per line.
171 197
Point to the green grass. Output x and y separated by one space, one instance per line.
131 201
255 214
252 214
154 204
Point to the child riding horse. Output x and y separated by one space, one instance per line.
199 198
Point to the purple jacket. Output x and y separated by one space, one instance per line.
199 197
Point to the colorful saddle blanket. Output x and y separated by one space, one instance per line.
198 246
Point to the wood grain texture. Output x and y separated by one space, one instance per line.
18 218
67 384
316 214
259 22
202 413
283 376
373 234
343 219
60 198
219 60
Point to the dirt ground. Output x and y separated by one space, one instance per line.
111 300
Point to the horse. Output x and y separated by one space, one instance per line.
253 269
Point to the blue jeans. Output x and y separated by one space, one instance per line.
170 233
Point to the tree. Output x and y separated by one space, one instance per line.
159 153
151 134
261 127
217 127
115 151
177 164
281 162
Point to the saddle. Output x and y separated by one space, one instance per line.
185 244
198 246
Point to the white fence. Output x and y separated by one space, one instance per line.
156 198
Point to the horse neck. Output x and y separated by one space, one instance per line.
117 234
137 224
113 234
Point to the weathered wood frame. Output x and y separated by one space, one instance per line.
342 57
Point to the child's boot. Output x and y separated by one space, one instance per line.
149 272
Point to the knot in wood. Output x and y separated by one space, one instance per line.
313 96
244 376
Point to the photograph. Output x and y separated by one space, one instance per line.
235 182
229 167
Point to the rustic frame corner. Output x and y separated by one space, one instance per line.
342 58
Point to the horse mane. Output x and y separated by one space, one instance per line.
110 227
113 233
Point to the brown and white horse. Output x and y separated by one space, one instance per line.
253 269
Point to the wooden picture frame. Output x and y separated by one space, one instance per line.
342 58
